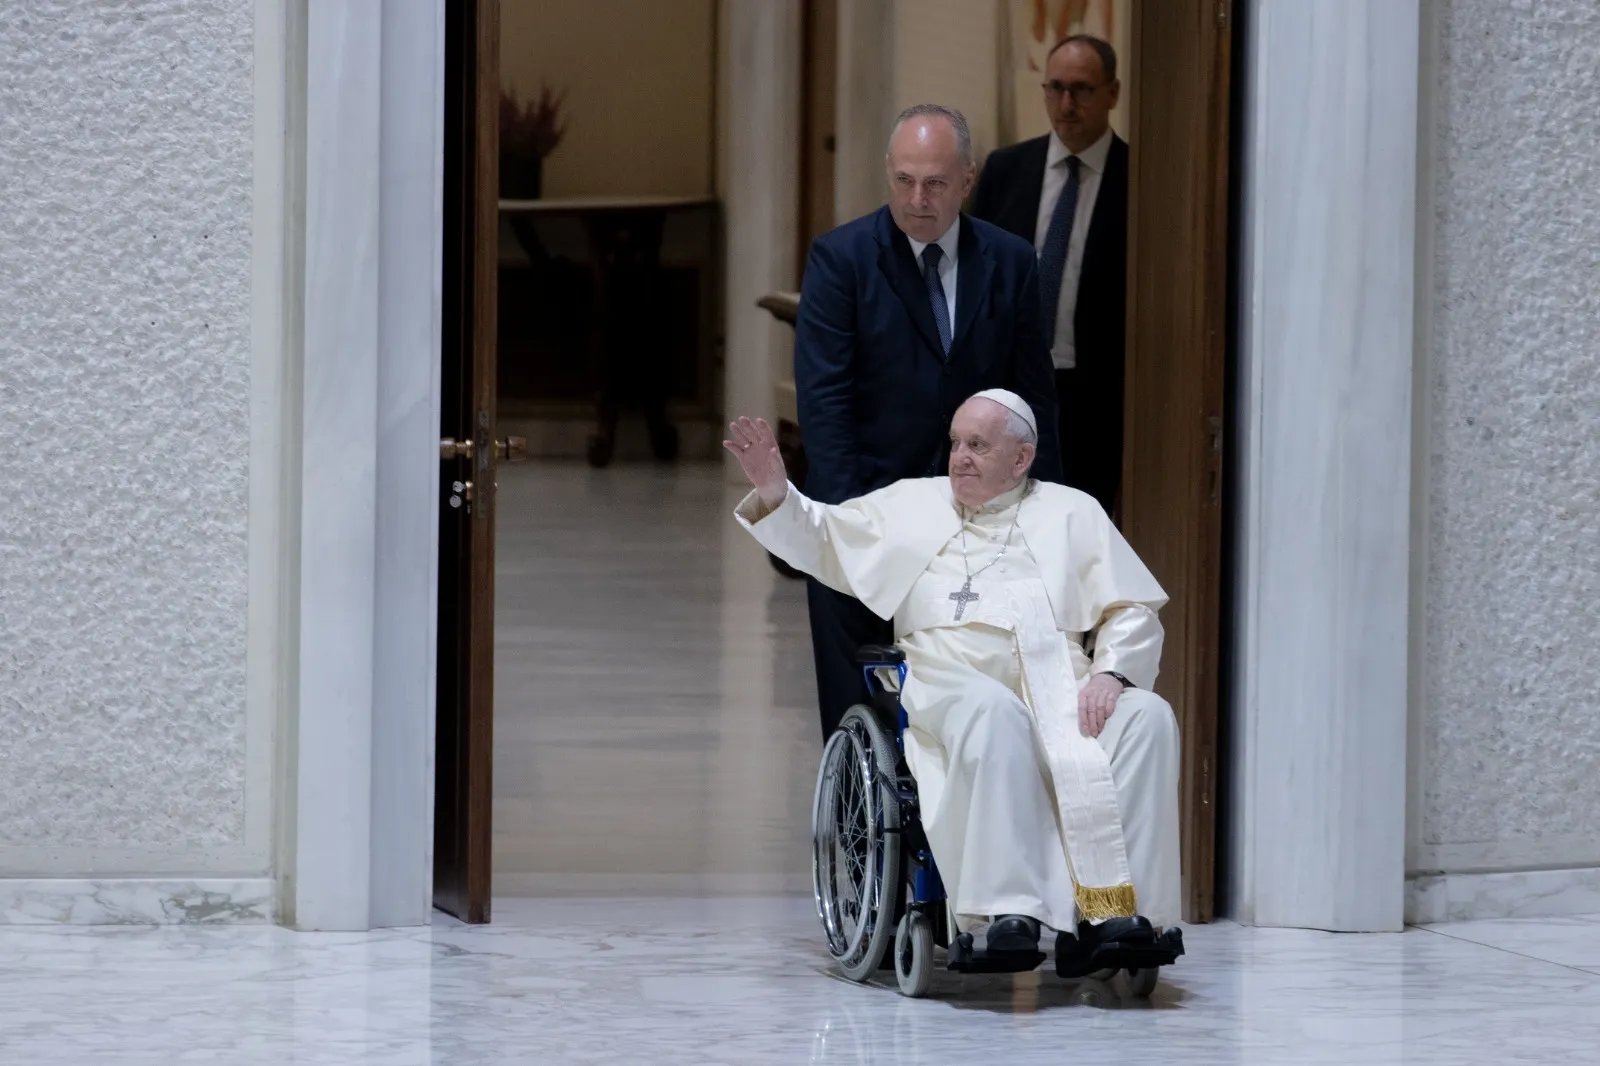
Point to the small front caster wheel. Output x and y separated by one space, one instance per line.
1143 982
913 955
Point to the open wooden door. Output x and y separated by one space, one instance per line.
819 75
468 453
1177 319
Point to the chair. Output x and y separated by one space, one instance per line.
876 885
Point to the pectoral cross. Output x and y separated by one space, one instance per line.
963 597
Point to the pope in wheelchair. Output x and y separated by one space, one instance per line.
1012 769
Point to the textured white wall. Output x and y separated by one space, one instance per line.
125 267
1508 771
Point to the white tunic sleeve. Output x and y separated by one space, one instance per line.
812 536
1123 597
1128 642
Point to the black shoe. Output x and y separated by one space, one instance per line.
1013 933
1131 931
1117 944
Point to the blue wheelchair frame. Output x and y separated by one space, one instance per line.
927 888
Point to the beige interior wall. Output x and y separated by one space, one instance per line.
986 57
946 52
641 90
1029 47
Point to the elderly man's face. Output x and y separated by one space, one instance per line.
1077 95
985 460
927 179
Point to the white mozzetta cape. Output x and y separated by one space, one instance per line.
876 546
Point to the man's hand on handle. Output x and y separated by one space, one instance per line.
756 448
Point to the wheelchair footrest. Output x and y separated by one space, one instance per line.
964 958
1140 954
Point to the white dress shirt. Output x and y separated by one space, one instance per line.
947 265
1091 165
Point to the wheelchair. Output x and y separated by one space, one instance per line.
877 889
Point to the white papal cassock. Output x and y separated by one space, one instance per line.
1025 815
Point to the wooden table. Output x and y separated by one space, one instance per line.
624 236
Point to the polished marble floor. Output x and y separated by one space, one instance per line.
743 982
655 723
656 741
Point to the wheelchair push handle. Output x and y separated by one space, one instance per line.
875 657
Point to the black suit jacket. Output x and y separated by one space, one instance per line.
1008 195
876 391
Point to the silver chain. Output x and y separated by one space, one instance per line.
965 565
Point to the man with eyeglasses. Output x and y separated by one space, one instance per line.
1067 194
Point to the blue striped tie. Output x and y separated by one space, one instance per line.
1053 256
941 307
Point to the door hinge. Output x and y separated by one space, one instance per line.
1222 14
1213 457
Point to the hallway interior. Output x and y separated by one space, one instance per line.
655 723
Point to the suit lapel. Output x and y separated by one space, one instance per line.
974 272
899 266
1030 189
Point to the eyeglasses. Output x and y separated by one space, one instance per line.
1080 92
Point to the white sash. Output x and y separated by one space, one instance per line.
1086 796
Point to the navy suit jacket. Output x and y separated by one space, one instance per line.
1008 195
876 391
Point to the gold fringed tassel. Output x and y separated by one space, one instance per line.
1097 904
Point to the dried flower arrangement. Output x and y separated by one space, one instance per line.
528 132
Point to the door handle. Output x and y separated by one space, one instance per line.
512 449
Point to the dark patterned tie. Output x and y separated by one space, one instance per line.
931 255
1053 256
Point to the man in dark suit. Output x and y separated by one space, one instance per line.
904 313
1066 193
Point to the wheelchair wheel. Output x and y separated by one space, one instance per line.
1143 982
913 954
855 848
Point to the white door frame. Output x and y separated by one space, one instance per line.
344 499
347 489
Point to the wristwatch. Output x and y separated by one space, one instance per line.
1122 680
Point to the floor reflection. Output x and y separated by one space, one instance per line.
655 729
743 982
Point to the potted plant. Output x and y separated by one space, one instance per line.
528 132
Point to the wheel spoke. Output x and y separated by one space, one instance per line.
858 872
852 849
